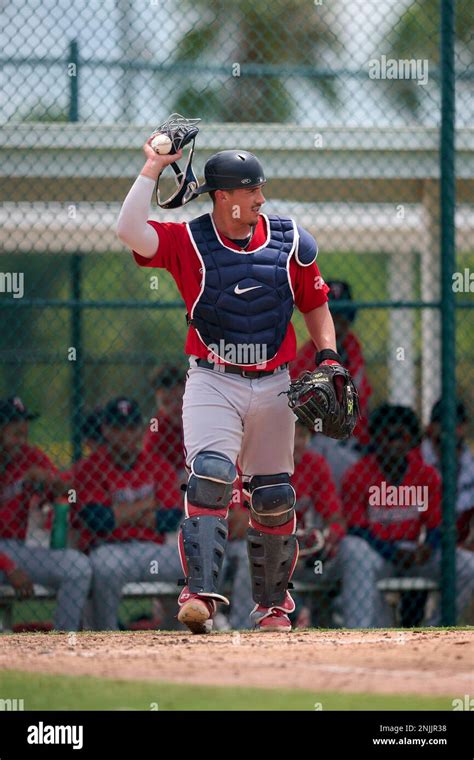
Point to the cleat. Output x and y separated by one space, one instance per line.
196 613
274 618
277 620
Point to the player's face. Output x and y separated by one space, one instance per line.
90 445
13 436
246 204
394 442
125 442
435 435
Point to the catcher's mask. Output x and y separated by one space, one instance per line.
181 131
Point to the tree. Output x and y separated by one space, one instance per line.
417 35
250 42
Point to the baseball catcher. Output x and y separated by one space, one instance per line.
241 273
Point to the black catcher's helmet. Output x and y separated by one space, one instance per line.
231 169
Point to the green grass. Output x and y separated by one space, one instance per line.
39 610
52 692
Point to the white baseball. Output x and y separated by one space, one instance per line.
161 144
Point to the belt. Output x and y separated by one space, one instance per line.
232 369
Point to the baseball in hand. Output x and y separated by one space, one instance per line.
161 144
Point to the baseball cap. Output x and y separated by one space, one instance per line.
13 409
341 291
122 412
390 417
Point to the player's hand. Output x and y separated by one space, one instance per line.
338 381
157 158
144 511
331 544
21 582
36 474
405 558
422 554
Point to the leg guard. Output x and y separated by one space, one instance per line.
272 561
211 480
203 541
272 499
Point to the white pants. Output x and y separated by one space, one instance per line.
247 420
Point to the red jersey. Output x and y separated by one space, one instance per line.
370 502
176 254
98 479
353 359
316 492
15 497
167 441
6 564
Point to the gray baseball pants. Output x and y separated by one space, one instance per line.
67 571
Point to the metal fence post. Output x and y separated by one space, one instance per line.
448 334
73 72
77 366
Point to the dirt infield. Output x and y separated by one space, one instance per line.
431 662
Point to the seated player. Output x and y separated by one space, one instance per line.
391 503
16 577
165 432
350 351
320 523
127 500
431 453
26 471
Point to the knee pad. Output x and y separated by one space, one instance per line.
272 499
211 481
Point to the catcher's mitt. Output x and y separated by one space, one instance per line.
326 401
181 131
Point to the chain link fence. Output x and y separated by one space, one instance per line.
350 108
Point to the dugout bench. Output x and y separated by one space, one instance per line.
130 591
400 593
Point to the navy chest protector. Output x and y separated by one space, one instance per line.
246 301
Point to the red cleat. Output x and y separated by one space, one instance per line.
274 618
196 611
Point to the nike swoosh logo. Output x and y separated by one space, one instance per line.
238 291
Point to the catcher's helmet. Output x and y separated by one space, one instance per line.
231 169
